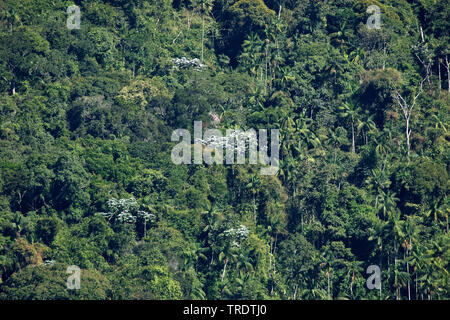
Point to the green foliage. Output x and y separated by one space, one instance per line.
49 283
86 118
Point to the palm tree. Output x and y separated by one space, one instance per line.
289 168
228 254
386 203
252 49
287 137
439 212
440 122
287 76
339 37
417 260
378 233
302 129
378 181
254 186
211 230
12 18
205 7
395 227
410 230
353 271
367 127
191 254
243 265
357 56
401 278
329 273
336 138
350 113
382 147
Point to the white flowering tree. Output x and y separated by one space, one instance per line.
185 63
234 237
127 211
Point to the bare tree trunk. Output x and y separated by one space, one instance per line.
416 289
203 29
409 286
446 218
408 134
275 249
439 70
254 208
353 138
397 287
328 285
270 256
13 87
265 84
351 287
447 66
145 228
407 110
224 269
188 21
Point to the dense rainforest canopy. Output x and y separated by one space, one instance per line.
87 180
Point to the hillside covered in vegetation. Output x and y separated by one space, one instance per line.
86 174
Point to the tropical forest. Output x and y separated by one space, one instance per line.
97 96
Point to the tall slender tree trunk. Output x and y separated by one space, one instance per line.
439 71
407 270
328 285
447 66
396 284
409 285
446 218
188 21
203 29
415 295
270 257
224 269
265 84
254 208
351 286
353 138
408 133
274 259
13 87
145 228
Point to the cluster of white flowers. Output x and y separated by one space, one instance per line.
114 203
185 63
237 234
228 141
126 216
49 262
144 215
126 211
